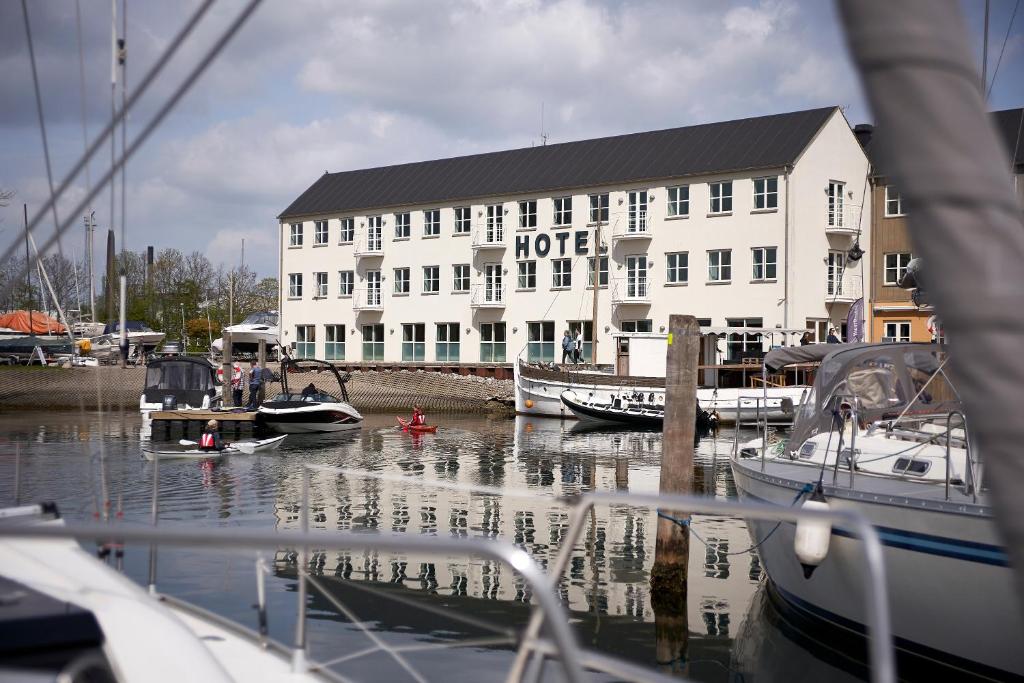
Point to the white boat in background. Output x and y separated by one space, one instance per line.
883 432
246 335
85 330
140 335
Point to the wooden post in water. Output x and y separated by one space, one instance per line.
672 547
227 399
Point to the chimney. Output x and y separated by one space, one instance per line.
863 132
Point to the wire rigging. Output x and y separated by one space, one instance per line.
995 72
81 78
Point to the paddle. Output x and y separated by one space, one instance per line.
186 442
240 446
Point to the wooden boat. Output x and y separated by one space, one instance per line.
416 429
236 447
629 410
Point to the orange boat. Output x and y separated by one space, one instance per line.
417 429
34 322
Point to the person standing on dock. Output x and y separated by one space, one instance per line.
255 384
579 345
236 384
568 347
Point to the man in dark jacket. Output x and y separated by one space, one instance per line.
832 338
256 381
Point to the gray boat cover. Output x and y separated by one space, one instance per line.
936 142
776 359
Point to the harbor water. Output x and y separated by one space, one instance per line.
90 464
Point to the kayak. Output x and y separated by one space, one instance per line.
236 447
416 429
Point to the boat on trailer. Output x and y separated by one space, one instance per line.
882 432
310 410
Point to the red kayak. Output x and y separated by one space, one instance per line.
419 429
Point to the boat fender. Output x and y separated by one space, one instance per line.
812 535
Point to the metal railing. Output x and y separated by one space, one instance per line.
848 287
489 236
371 299
369 244
488 296
844 220
631 290
635 226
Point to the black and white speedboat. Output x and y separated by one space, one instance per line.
310 409
633 409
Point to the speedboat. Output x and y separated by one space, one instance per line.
246 335
883 432
179 383
140 335
311 409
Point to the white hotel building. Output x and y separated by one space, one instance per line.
475 259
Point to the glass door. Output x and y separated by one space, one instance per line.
637 211
636 277
373 288
836 261
375 233
495 227
493 291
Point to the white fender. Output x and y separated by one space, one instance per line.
812 537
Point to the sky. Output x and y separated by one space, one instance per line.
309 86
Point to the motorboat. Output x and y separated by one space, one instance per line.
310 409
180 383
67 616
244 447
246 335
632 409
140 335
83 329
883 432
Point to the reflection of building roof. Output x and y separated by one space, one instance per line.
759 142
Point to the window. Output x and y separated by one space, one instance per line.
414 341
835 204
897 331
896 267
527 275
321 285
679 201
528 213
334 342
721 197
346 282
637 219
678 267
446 348
375 233
561 272
492 342
460 280
402 223
818 329
295 285
540 345
373 342
373 289
764 263
893 202
602 272
599 208
636 277
432 223
319 232
401 280
720 265
744 345
634 326
431 279
495 224
348 230
563 210
295 240
766 193
834 275
588 337
305 341
462 220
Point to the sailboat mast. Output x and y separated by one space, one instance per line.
28 272
597 284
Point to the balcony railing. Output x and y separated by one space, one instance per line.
368 300
631 290
634 226
488 296
489 237
369 245
846 221
845 290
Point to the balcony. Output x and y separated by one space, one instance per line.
485 296
630 290
367 300
845 223
632 227
490 237
368 246
845 291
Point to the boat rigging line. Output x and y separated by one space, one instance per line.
995 72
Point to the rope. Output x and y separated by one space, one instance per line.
995 73
686 523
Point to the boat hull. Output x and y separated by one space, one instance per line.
260 446
289 418
601 415
951 593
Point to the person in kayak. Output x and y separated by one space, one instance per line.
210 440
418 418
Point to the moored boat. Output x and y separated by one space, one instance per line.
246 335
179 383
243 447
310 410
632 409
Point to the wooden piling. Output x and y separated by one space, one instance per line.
227 399
672 547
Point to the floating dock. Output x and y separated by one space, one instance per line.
186 418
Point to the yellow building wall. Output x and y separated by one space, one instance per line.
918 324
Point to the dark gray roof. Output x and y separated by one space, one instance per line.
744 144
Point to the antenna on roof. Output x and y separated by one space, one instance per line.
543 135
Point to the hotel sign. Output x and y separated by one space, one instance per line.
544 242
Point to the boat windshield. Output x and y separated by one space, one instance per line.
129 325
317 397
180 376
262 318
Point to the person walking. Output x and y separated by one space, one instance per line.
579 345
255 384
568 347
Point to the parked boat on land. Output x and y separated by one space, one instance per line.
235 447
311 409
631 409
141 337
179 383
246 335
883 432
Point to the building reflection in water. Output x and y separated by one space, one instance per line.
609 570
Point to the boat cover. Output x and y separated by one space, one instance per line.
776 359
187 379
36 323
